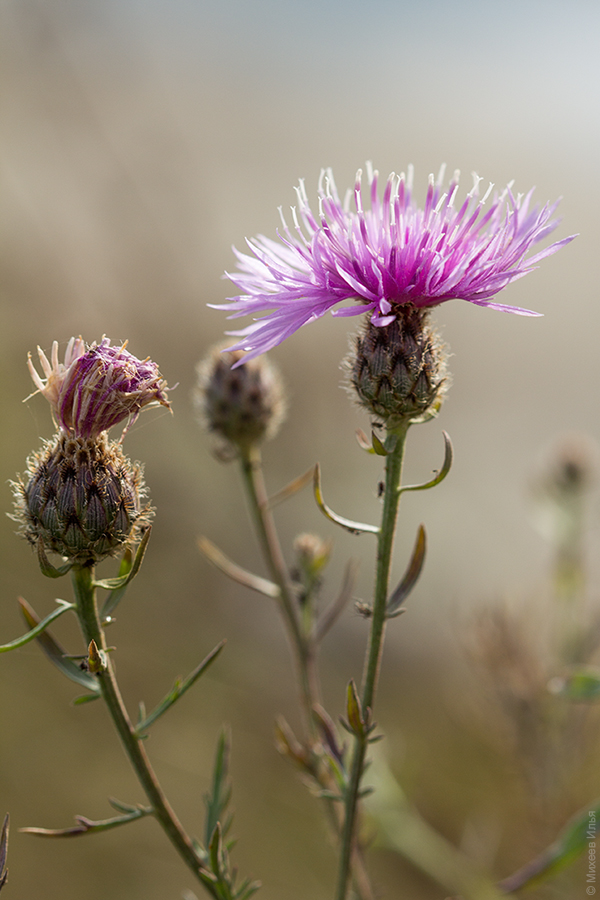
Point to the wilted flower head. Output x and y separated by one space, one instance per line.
97 386
387 256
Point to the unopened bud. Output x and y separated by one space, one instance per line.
83 498
398 370
242 405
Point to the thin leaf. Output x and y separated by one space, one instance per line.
115 596
290 489
88 826
46 566
348 524
121 581
235 572
574 839
218 798
37 626
448 456
411 576
373 446
178 690
354 710
57 654
333 611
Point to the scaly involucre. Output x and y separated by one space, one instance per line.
97 386
387 256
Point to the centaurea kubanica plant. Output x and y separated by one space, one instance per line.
392 262
82 500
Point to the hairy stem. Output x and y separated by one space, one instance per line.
385 543
85 592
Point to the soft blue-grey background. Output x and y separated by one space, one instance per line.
140 141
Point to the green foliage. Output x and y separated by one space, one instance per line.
178 690
218 876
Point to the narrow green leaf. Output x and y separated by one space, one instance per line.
53 650
247 889
235 572
378 447
348 524
215 851
46 566
88 826
217 799
37 626
354 710
85 698
574 839
448 456
178 690
121 581
411 576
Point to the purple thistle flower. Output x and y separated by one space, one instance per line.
385 257
97 386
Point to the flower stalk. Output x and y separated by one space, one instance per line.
301 637
89 619
395 444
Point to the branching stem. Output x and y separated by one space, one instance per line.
87 610
302 641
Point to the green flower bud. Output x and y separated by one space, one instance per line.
242 404
398 370
82 498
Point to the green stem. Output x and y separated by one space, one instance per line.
300 633
385 544
87 610
300 639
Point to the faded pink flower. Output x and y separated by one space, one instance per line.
97 386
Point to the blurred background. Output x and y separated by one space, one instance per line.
141 140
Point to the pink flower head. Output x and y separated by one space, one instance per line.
97 386
386 256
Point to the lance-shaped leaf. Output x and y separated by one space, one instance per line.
36 624
448 456
292 488
235 572
217 799
371 446
122 580
333 611
574 839
411 576
88 826
46 566
354 710
348 524
178 690
53 650
3 851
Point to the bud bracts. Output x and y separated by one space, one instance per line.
82 498
241 404
399 372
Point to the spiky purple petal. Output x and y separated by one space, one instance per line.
386 256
